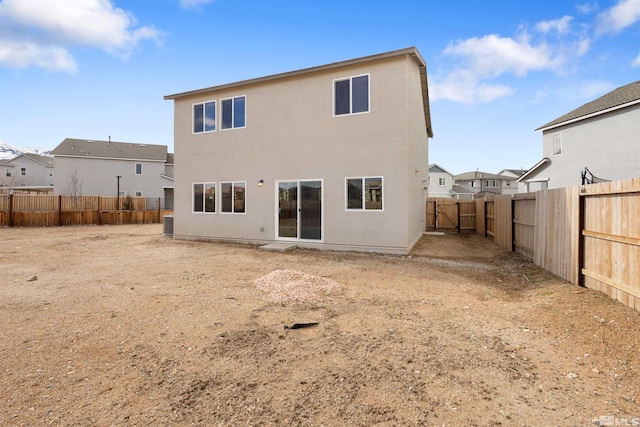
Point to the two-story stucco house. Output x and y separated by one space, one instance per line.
600 138
106 168
440 181
28 172
329 157
486 184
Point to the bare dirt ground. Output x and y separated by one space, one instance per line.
126 327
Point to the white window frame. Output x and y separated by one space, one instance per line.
350 78
442 182
204 192
138 193
364 205
233 198
492 183
23 171
136 169
204 116
233 113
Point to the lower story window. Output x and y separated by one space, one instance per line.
233 196
364 193
204 197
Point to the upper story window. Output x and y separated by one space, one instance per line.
233 112
7 172
204 117
138 168
557 144
364 193
442 181
23 171
351 95
492 183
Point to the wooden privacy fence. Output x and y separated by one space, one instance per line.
588 235
27 210
451 214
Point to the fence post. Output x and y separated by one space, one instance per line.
10 210
581 223
99 216
458 209
60 210
159 212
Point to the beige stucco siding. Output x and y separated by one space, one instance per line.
291 134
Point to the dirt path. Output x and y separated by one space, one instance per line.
126 327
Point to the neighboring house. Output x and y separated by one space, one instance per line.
482 184
29 172
600 138
6 176
515 173
440 181
332 157
106 168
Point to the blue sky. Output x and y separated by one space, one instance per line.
497 69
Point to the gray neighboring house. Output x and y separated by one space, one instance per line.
481 184
29 173
328 157
601 137
91 168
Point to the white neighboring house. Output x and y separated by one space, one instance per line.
106 168
515 173
600 138
28 173
440 181
480 184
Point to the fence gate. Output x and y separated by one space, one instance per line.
610 244
451 214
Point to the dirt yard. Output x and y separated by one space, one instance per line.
118 325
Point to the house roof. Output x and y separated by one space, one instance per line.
411 51
468 176
532 171
517 172
435 168
458 189
43 160
622 97
110 150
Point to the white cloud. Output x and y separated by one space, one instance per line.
492 55
558 25
486 58
636 62
586 8
479 62
54 26
465 87
24 54
194 4
624 14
